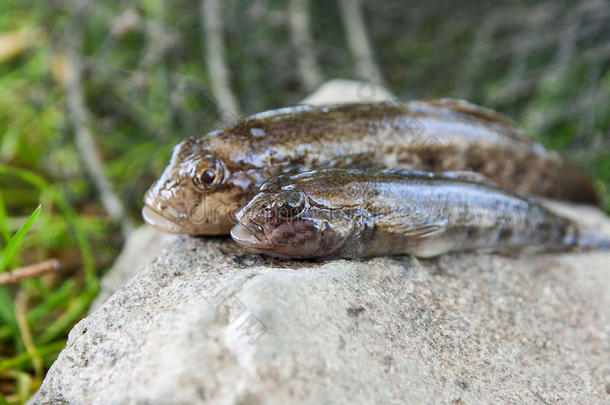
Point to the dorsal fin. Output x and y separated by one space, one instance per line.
473 111
468 108
466 175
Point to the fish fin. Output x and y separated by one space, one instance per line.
592 239
407 172
468 108
575 185
474 177
481 113
357 161
510 252
466 175
415 224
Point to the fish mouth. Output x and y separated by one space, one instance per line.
247 238
160 222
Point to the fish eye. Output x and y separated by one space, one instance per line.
209 173
207 176
292 204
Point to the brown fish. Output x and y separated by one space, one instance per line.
351 213
209 178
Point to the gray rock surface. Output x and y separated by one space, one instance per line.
207 323
140 248
200 321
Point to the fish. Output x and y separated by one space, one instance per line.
355 213
209 178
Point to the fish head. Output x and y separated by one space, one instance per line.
193 195
289 223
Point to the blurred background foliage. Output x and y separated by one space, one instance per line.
140 68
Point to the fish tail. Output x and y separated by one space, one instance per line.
592 239
575 185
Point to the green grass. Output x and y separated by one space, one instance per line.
36 328
13 243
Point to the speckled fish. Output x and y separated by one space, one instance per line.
350 213
209 178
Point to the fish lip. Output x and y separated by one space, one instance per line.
247 238
160 221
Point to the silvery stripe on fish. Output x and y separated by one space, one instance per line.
438 135
354 213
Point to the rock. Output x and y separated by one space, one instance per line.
140 248
201 321
340 91
207 323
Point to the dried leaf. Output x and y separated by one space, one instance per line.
14 43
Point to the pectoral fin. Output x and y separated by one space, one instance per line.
414 224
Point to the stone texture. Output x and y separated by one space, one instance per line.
140 248
339 91
201 321
207 323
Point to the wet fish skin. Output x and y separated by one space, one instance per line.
351 213
436 135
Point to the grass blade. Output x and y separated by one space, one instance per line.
7 313
70 216
75 311
24 357
13 243
57 298
6 235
